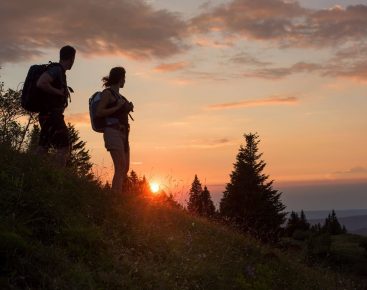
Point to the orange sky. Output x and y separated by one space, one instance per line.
202 73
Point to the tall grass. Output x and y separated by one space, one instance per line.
58 231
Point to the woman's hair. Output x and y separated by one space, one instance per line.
114 77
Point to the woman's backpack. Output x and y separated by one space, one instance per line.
98 123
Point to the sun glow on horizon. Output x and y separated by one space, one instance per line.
154 187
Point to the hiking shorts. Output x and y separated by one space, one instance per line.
116 139
54 132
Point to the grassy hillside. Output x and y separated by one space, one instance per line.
58 231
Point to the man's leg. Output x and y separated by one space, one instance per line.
42 148
60 140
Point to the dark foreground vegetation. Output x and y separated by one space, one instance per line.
60 231
328 244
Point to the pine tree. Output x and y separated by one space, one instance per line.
292 224
303 223
194 205
134 182
249 200
208 208
317 228
332 225
79 158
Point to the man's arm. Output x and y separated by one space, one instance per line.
44 83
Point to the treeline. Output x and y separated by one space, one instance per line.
296 224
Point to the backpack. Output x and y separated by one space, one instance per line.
98 123
33 99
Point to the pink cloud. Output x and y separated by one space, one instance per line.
272 101
78 118
169 67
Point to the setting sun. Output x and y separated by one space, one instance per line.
154 187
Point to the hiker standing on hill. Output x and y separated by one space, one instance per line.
115 108
54 132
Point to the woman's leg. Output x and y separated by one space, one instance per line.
119 164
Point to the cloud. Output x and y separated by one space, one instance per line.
127 27
343 68
354 171
357 70
281 72
285 22
170 67
263 19
201 144
78 118
207 144
337 25
245 58
272 101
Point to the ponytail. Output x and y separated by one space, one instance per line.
116 74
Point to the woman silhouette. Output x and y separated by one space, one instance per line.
115 108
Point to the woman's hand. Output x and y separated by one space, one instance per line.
119 104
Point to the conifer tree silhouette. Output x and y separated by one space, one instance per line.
194 205
208 208
332 225
249 201
79 157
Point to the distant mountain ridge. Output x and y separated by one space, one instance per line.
322 214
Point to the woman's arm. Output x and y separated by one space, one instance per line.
106 98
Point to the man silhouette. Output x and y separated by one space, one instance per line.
54 132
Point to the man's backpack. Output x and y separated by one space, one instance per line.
33 99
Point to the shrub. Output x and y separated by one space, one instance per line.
300 235
363 244
318 245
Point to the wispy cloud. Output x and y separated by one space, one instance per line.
246 58
272 101
170 67
78 118
208 144
275 73
130 28
201 144
357 170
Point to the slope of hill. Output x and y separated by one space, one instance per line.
58 231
